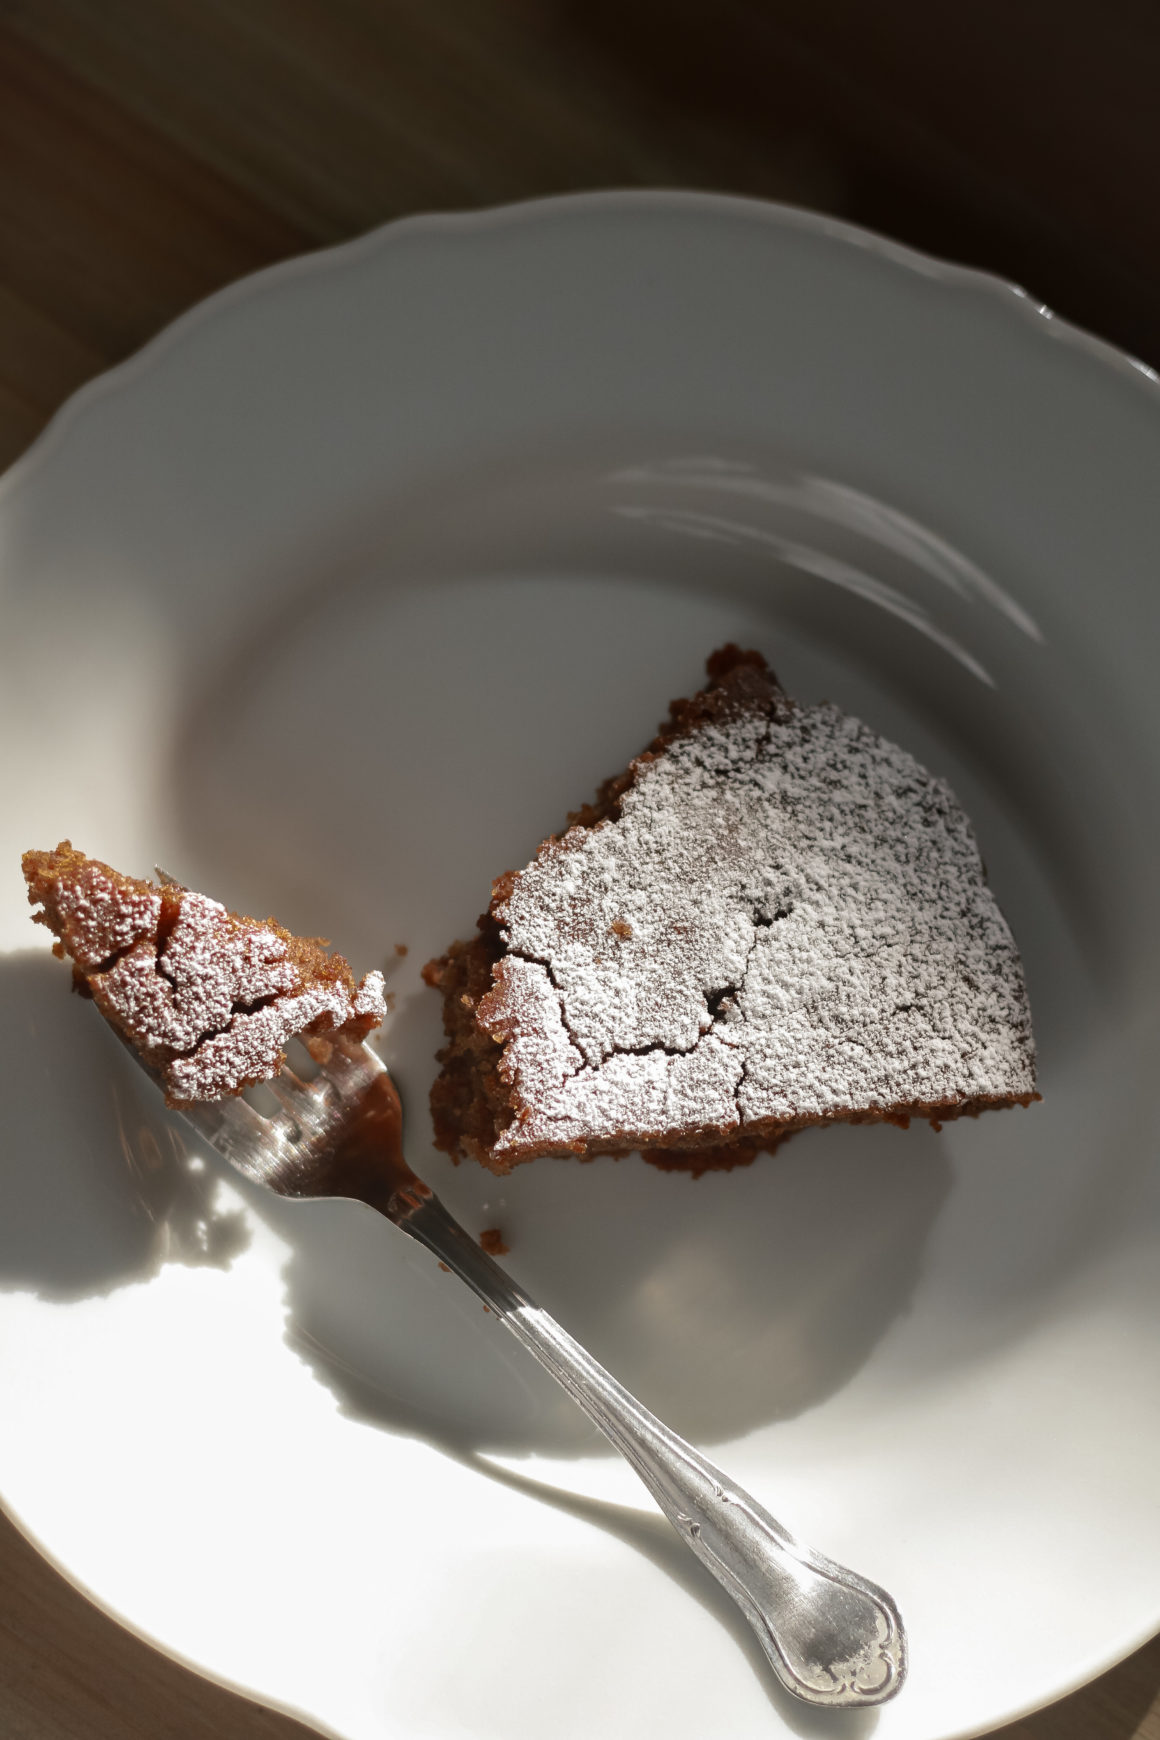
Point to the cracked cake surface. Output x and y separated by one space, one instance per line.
775 917
207 998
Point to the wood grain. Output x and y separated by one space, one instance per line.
154 150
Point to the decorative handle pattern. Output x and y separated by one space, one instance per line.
833 1638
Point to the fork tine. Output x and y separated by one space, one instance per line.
282 1151
293 1094
237 1132
349 1067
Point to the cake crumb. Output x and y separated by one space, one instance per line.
400 948
493 1242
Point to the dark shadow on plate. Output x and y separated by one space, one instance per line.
96 1186
725 1302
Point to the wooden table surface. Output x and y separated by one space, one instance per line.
153 150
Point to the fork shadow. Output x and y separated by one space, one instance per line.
651 1536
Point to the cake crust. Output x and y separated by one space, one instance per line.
772 918
207 998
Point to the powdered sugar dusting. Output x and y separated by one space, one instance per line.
97 920
788 919
208 967
525 1008
250 1048
370 999
208 1000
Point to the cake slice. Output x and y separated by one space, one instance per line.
773 918
206 997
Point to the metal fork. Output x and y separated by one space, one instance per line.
832 1638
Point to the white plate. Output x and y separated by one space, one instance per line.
333 601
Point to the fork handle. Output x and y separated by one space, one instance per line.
833 1638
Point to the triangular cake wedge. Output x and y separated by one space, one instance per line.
773 918
207 998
